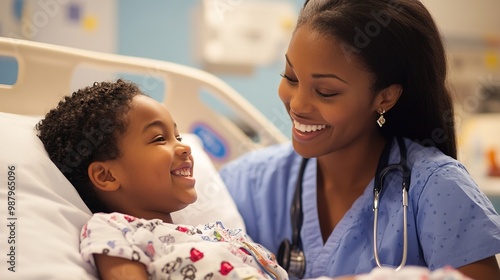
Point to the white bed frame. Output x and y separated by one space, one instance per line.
46 74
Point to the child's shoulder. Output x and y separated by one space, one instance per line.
119 219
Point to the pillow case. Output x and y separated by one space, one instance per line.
42 213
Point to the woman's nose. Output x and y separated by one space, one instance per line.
300 101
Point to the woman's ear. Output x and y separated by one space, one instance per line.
388 97
101 177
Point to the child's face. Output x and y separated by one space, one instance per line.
154 169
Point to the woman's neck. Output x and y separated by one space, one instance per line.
351 168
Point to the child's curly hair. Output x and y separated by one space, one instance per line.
85 127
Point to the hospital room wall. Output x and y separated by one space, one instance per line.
157 29
166 30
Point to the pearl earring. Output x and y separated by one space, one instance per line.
381 119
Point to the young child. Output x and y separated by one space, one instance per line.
122 152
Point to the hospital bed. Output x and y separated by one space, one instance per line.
40 211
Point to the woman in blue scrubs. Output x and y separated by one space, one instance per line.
359 74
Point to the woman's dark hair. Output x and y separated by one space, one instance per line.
399 42
85 127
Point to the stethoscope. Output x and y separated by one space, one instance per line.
290 255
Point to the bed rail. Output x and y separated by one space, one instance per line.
46 73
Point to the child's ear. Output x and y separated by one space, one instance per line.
101 177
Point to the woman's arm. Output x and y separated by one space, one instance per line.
115 268
485 269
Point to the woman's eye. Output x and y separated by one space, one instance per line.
289 79
325 95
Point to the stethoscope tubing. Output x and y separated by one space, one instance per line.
405 229
403 167
290 254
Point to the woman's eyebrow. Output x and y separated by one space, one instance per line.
321 76
318 75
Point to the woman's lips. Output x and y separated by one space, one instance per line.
304 132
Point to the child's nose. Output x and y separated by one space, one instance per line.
184 150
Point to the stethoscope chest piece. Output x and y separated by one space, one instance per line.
292 259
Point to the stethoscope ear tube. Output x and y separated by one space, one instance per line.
405 230
377 190
290 255
296 210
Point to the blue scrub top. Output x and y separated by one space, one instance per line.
450 221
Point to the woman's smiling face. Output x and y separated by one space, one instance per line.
327 94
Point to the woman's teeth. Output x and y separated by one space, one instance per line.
307 127
185 172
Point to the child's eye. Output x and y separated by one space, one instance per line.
179 138
159 138
289 79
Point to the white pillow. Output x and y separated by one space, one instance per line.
42 241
